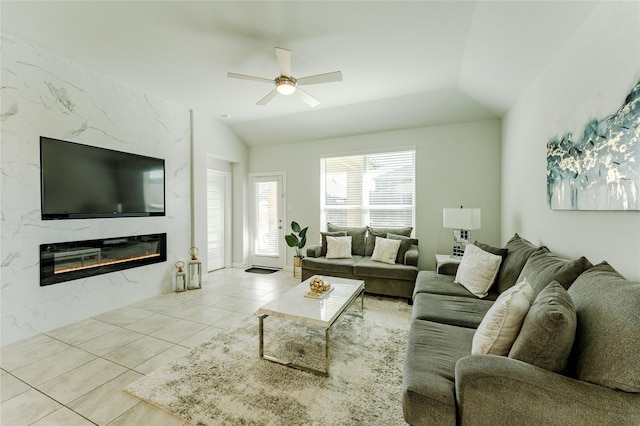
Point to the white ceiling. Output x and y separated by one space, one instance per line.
404 64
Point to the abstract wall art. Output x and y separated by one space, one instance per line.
599 170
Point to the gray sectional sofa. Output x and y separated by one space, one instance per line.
380 278
575 361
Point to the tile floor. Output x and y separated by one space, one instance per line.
74 375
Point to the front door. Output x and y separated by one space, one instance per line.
268 228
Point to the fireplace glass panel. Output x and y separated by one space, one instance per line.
80 259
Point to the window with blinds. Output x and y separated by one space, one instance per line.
265 204
375 189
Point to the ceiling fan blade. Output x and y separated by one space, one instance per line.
310 100
268 98
284 61
321 78
249 77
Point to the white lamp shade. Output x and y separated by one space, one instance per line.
461 218
286 87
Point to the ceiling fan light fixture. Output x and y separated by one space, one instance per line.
285 85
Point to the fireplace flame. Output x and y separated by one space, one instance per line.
105 263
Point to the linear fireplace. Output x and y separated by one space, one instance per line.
80 259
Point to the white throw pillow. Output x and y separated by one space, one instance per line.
477 271
386 250
501 324
338 247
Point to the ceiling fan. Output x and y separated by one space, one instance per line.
286 84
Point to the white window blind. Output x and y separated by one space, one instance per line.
375 189
266 218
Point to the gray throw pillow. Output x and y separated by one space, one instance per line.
372 233
607 346
542 267
357 236
498 251
548 330
405 244
519 251
324 235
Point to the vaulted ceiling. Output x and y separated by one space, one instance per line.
404 64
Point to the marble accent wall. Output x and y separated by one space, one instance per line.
45 95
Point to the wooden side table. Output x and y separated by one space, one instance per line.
446 265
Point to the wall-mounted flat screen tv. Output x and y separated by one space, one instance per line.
81 181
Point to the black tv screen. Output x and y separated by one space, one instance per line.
82 181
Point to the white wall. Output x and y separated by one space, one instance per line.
589 78
213 139
456 165
43 94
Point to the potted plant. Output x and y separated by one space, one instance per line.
297 239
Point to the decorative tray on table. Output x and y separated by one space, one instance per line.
318 289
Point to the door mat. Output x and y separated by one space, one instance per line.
261 270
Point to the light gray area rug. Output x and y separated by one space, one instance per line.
224 381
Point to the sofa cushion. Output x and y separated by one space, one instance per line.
329 266
433 283
498 251
323 237
453 310
500 326
542 267
338 247
357 234
386 250
370 241
519 251
477 271
372 233
548 330
428 394
405 245
607 344
370 268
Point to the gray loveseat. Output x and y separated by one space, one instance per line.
380 278
575 361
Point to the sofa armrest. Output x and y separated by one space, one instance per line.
499 390
411 256
314 251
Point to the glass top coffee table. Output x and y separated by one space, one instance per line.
323 312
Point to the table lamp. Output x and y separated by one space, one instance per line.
462 221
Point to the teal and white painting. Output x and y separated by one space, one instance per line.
599 170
